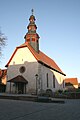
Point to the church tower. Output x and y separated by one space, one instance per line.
31 36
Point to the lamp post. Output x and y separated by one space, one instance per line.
36 83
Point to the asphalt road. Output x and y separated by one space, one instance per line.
25 110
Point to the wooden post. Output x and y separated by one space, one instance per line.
25 88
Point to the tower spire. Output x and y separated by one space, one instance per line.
31 36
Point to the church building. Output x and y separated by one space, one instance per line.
29 70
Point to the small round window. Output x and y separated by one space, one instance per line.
22 69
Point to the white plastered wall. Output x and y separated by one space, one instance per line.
58 78
23 57
76 86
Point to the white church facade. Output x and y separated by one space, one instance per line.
31 71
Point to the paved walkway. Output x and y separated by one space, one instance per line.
25 110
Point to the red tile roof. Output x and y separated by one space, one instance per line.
18 78
40 57
73 81
3 73
0 72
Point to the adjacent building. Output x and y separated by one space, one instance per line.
3 80
71 83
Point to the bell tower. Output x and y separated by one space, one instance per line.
31 36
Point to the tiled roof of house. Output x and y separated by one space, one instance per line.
3 73
40 57
0 72
73 81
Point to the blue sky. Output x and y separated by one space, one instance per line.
58 23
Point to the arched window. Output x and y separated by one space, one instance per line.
63 84
47 80
53 81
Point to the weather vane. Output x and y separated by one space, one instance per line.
32 11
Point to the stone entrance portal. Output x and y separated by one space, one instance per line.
19 84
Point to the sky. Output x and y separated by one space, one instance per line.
58 25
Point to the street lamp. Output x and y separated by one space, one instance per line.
36 83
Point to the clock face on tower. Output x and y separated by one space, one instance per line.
22 69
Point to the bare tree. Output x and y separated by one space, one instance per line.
2 42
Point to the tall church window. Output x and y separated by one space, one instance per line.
63 84
53 81
47 80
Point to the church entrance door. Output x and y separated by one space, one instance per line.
20 87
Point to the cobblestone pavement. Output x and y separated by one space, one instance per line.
25 110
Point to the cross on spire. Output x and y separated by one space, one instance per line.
32 11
